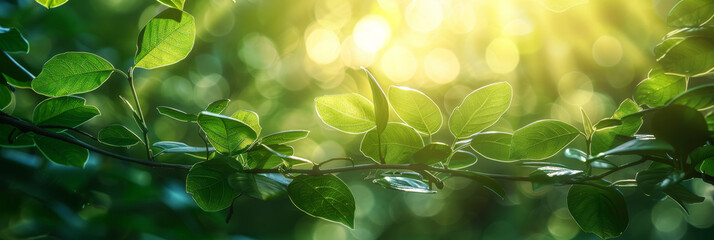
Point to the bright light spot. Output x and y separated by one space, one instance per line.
462 18
502 55
328 231
389 5
667 217
518 27
322 45
371 33
333 14
399 64
607 51
354 56
561 5
258 51
561 225
575 88
424 15
423 205
441 65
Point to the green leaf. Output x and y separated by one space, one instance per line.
284 137
12 41
700 97
17 140
135 114
208 183
659 88
462 159
546 176
166 39
350 113
218 106
250 118
541 139
381 106
653 180
432 153
700 154
487 182
682 127
607 123
707 166
177 4
480 109
641 147
710 122
118 136
416 109
398 143
62 152
683 196
576 154
691 13
176 114
587 125
226 134
598 210
325 197
404 184
288 160
179 147
6 96
51 3
261 158
260 186
693 56
72 73
663 47
607 138
492 145
602 163
68 111
13 72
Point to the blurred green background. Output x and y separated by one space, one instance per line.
275 56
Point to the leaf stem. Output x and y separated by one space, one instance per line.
144 127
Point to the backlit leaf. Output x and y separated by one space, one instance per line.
68 111
208 183
659 88
398 143
325 197
176 114
350 113
250 118
51 3
598 210
480 109
284 137
226 134
62 152
607 138
118 136
71 73
691 13
492 145
541 139
166 39
381 106
416 109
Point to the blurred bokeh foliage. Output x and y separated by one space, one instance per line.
275 57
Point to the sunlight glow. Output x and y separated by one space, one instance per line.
441 65
575 88
424 15
399 64
502 55
607 51
322 45
371 33
462 18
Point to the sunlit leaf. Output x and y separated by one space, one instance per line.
607 138
381 106
461 159
218 106
546 176
492 145
68 112
51 3
71 73
12 41
208 183
693 56
598 210
607 123
700 97
659 88
166 39
62 152
176 114
541 139
480 109
226 134
691 13
576 154
404 184
178 4
261 158
118 136
350 113
325 197
398 143
250 118
284 137
260 186
416 109
587 124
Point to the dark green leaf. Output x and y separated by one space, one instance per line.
218 106
659 88
707 166
641 147
683 196
691 13
462 159
598 210
416 109
261 158
250 118
398 142
12 41
260 186
432 153
118 136
381 106
226 134
602 163
480 109
682 127
700 97
68 112
541 139
404 184
6 96
492 145
176 114
16 140
51 3
605 139
166 39
701 153
546 176
325 197
71 73
62 152
487 182
13 72
350 113
284 137
208 183
179 147
653 180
